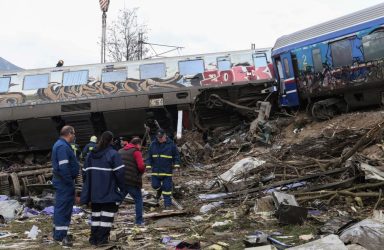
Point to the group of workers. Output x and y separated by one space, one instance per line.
109 176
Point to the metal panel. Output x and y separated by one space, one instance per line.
32 129
125 122
5 114
359 17
106 104
179 97
137 101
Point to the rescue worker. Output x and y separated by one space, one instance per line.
104 183
89 147
151 126
134 169
65 169
76 149
163 156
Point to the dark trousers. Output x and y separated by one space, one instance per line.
163 183
103 215
135 193
65 199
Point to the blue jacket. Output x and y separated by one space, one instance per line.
162 157
64 164
88 148
104 181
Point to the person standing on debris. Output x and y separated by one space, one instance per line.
89 147
134 169
65 170
103 187
151 126
163 156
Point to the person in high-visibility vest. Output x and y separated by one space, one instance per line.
163 156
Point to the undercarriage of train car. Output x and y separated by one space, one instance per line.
228 106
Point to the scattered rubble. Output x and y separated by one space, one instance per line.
286 183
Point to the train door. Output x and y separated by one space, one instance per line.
288 88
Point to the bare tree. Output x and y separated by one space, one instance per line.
123 37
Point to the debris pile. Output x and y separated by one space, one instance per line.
286 183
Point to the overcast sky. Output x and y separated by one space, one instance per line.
38 33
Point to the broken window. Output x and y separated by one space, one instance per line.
317 61
341 53
373 46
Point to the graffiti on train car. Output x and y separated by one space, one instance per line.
332 78
236 74
12 98
95 88
56 91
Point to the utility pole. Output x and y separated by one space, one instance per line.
104 8
140 45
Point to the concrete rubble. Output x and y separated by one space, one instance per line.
288 183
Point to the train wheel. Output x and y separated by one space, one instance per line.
15 184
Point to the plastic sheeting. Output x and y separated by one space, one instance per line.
241 167
9 209
367 233
330 242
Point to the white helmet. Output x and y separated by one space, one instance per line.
93 139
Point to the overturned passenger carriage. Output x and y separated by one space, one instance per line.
333 66
35 104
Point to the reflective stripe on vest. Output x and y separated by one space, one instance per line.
162 156
161 174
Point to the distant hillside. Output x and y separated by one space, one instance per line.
5 65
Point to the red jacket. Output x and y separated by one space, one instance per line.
138 157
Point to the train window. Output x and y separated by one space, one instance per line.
152 70
243 59
114 76
56 76
317 61
223 63
373 46
75 78
36 81
286 68
4 84
341 53
191 67
259 60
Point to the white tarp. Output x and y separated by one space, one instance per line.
330 242
371 172
240 168
367 233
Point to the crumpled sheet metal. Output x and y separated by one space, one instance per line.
368 233
330 242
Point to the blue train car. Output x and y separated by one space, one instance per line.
333 66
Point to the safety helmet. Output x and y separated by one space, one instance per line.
93 139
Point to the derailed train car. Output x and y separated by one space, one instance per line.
333 66
35 104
